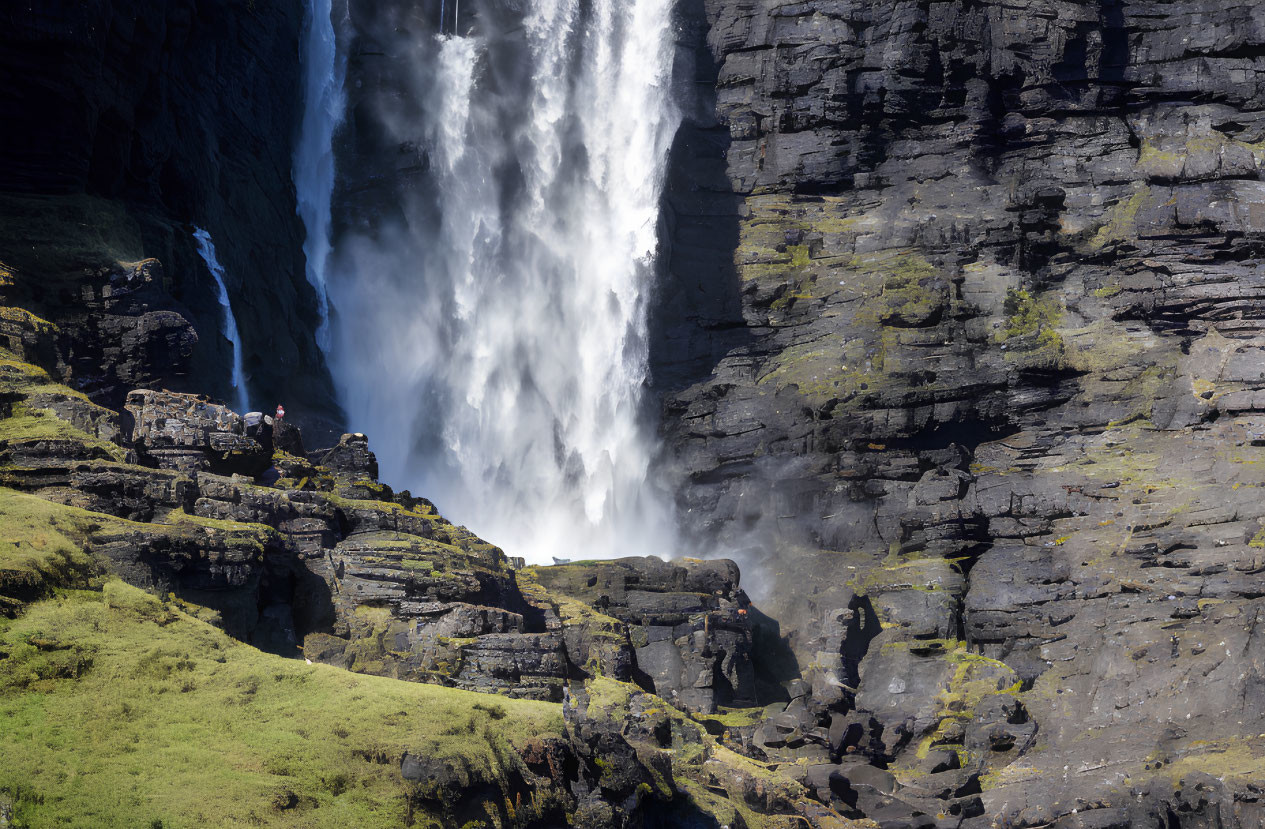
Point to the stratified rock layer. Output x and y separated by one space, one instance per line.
985 392
312 556
684 626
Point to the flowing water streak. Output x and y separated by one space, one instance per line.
494 342
228 322
324 70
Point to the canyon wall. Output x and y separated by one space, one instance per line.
986 365
958 341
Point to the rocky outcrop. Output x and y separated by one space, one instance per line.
960 350
173 496
986 417
329 559
682 627
427 610
116 328
176 431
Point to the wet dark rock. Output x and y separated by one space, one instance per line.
688 623
166 115
960 346
350 458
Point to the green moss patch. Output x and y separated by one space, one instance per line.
1030 332
832 368
913 294
27 422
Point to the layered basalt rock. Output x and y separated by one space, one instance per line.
115 328
427 610
987 416
170 496
329 559
328 563
685 622
961 351
176 431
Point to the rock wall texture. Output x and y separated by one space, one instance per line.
129 123
970 366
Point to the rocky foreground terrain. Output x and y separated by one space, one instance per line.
961 360
643 681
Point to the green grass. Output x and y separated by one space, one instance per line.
121 711
23 316
41 548
28 423
246 529
33 425
43 544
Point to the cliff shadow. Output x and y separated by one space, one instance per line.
695 314
772 658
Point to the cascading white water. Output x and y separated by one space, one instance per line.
228 322
323 104
491 337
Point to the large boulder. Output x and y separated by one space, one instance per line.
190 433
688 621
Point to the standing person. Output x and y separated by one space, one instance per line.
281 411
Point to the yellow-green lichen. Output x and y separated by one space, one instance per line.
1030 331
28 320
1121 220
912 292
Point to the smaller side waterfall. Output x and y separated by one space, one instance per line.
323 103
228 322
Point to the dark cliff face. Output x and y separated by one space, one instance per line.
129 123
994 377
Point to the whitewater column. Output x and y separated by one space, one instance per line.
491 327
323 73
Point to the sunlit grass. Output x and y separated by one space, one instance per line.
122 711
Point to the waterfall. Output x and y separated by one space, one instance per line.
228 322
323 70
491 331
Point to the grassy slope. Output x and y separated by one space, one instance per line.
120 711
40 547
30 423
